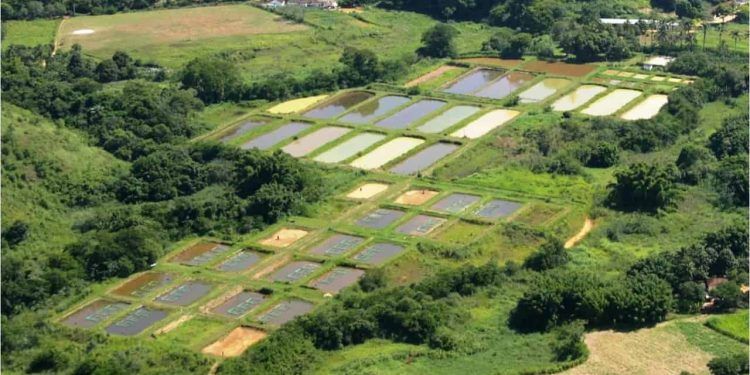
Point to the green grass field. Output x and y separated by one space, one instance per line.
735 36
30 33
733 325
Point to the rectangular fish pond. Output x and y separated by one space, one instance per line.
349 148
239 130
239 262
611 102
274 137
337 279
420 225
94 313
472 81
455 202
373 109
294 271
143 284
485 124
424 158
312 141
577 98
448 118
386 152
336 245
498 208
200 254
338 105
379 253
380 218
136 322
410 114
239 304
285 312
646 109
542 90
185 294
504 86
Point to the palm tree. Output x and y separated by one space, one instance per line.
704 26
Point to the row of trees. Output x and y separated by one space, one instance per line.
216 80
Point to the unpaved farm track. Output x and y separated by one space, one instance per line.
588 225
431 75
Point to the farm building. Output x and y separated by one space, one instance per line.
325 4
657 62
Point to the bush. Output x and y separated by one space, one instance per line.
643 187
551 254
729 365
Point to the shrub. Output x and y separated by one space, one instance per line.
643 187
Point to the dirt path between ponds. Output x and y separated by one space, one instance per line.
588 225
431 75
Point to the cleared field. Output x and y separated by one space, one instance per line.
430 76
485 124
284 237
234 343
646 109
611 102
296 105
416 197
668 348
367 191
386 152
140 31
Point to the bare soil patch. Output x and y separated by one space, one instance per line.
284 237
430 76
416 197
171 326
235 342
367 191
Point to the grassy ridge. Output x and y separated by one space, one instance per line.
733 325
29 33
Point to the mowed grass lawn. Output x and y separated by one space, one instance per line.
734 325
161 34
30 33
